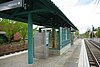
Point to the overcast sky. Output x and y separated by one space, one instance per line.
82 13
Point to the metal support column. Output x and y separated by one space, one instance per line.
30 39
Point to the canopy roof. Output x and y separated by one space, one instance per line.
44 13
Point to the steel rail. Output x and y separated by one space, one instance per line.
92 54
94 44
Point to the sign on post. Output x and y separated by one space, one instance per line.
11 4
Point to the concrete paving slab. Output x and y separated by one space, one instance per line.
68 59
73 60
83 59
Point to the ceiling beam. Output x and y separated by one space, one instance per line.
33 11
58 12
2 15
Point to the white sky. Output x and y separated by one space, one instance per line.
82 16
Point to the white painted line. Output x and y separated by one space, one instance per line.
14 54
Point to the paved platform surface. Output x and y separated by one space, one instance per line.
83 59
68 59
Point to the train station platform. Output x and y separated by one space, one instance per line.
75 56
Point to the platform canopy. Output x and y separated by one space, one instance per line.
44 12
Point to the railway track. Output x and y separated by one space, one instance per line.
93 52
97 43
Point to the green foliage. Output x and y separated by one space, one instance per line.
11 27
86 35
24 30
34 30
77 33
98 32
8 28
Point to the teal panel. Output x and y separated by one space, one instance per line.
30 39
63 37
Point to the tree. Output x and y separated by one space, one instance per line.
11 27
87 33
24 30
8 28
34 30
77 33
98 32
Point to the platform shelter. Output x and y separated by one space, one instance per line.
39 12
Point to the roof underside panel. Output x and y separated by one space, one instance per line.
44 13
